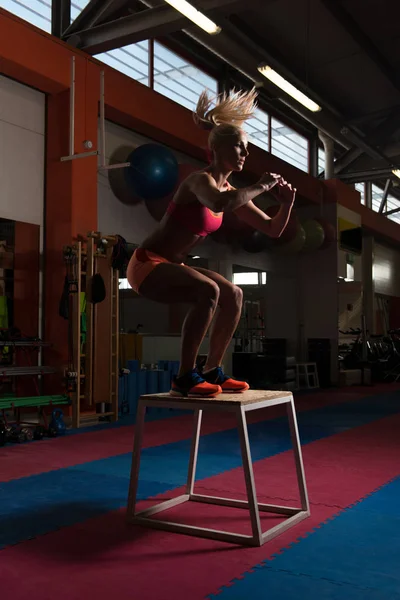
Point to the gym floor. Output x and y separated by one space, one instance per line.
63 532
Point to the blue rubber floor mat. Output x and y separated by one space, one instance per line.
42 503
263 584
359 549
102 485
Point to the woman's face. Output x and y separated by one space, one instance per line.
232 152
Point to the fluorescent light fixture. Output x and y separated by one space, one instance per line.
190 12
195 257
287 87
396 172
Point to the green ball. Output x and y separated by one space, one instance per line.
295 245
315 235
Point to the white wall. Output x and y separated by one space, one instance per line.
22 144
318 303
133 222
355 219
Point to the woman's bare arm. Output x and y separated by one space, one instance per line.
206 191
275 226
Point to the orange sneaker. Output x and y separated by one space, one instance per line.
228 384
192 385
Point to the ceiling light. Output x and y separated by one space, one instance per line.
194 15
396 172
287 87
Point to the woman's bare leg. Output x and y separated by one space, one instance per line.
172 283
226 319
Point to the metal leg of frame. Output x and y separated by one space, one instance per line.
249 477
194 451
137 447
294 434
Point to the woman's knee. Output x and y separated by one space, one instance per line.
209 292
232 296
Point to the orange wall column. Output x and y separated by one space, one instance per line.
71 200
26 297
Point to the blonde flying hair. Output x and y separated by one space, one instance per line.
228 115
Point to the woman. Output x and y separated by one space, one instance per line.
157 270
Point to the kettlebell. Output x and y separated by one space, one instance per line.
57 422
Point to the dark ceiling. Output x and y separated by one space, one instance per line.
345 54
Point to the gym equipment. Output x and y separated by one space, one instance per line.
295 246
39 432
93 369
21 430
380 353
237 405
315 235
256 242
57 422
28 432
18 434
157 208
153 172
329 231
116 177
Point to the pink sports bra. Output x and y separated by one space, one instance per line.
196 217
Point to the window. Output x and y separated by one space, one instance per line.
321 160
349 271
132 60
289 145
252 278
179 80
360 187
377 194
36 12
77 7
393 204
123 284
258 128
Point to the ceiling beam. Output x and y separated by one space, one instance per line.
60 16
376 137
93 13
385 194
381 113
347 159
153 22
367 175
348 23
391 212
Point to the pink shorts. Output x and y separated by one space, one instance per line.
141 265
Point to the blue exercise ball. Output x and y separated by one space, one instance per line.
153 171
